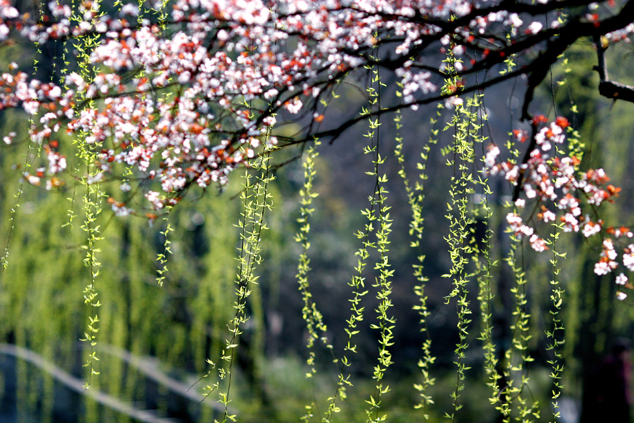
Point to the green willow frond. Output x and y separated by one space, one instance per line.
415 197
256 200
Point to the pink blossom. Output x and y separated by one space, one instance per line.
603 268
628 258
534 27
294 105
538 244
608 249
57 162
493 152
548 216
452 102
591 228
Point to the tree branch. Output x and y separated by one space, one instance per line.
616 91
607 88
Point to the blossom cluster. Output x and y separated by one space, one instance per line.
558 187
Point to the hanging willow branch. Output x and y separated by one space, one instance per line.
415 197
312 316
459 239
255 199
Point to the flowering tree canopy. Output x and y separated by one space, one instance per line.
186 94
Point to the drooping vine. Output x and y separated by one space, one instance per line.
459 239
555 333
484 264
415 197
162 256
87 153
484 270
385 322
256 200
31 154
311 315
517 356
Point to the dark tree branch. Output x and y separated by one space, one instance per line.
569 34
607 88
616 91
602 67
